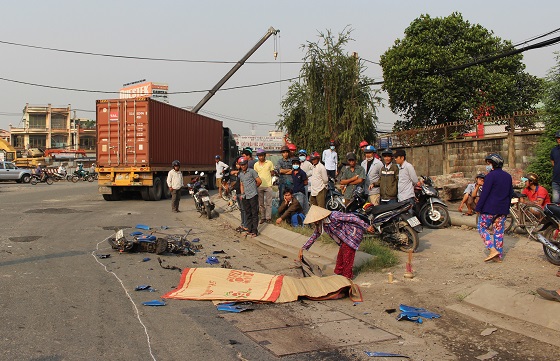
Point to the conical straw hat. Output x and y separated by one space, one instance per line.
316 214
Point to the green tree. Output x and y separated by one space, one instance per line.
551 119
423 88
332 98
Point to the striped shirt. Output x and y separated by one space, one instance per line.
343 227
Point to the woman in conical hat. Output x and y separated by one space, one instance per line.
347 231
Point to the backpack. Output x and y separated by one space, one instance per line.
297 220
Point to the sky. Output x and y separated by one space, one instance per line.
219 31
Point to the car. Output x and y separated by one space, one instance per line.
9 171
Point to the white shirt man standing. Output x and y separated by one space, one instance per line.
220 167
319 182
407 177
330 159
175 183
372 166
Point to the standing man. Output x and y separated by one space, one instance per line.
388 178
555 160
264 169
307 167
372 167
175 183
346 229
220 167
493 206
319 182
250 183
407 177
351 176
299 179
284 170
330 159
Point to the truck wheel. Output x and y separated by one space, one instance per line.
155 191
25 178
114 196
166 191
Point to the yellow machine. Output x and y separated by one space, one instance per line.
12 155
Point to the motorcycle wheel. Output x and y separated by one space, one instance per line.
112 243
89 178
33 181
333 204
552 257
208 210
161 246
407 237
55 178
75 179
435 217
49 181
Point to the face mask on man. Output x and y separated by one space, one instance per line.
302 158
295 166
332 147
369 156
488 168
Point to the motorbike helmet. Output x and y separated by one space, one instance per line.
557 135
364 143
242 161
302 151
370 149
292 147
314 155
387 152
260 151
350 156
176 163
296 160
496 160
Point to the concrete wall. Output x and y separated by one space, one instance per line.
467 155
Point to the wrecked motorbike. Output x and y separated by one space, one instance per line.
201 197
139 242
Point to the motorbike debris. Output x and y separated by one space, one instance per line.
212 260
145 288
168 267
226 264
154 303
415 314
232 307
143 226
384 354
105 255
196 240
146 259
219 252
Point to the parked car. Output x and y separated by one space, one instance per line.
9 171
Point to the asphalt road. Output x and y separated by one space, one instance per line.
59 302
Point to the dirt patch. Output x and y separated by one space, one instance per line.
56 211
24 239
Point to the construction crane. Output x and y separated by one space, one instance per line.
271 31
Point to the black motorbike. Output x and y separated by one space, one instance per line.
431 210
549 234
44 177
82 175
334 198
202 201
139 242
394 223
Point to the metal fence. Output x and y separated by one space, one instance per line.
517 122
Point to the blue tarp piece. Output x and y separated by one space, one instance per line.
149 238
383 354
146 259
154 303
415 314
143 226
231 307
212 260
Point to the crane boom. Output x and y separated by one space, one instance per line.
271 31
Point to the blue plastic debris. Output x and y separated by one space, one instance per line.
232 307
196 240
212 260
143 226
136 233
383 354
145 288
146 259
147 238
415 314
154 303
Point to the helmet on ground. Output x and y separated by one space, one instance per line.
176 163
302 151
496 160
387 152
260 151
370 149
557 135
364 143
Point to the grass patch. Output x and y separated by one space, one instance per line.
385 257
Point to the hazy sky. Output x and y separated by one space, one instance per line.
218 30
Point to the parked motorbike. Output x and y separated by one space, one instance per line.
83 175
431 210
41 178
201 197
334 198
394 223
549 235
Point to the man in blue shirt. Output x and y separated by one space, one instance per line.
493 206
555 160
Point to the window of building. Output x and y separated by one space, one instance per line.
58 121
18 141
59 141
37 121
87 142
37 141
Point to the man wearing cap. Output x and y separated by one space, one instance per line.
330 160
555 160
220 167
351 176
471 194
407 177
372 167
363 145
265 169
388 178
533 191
284 170
346 229
319 182
250 182
299 180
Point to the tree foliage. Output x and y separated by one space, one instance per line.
425 91
551 118
331 99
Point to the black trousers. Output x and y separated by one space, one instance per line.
252 213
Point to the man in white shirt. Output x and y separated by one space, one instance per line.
372 166
407 177
319 182
330 159
175 183
220 167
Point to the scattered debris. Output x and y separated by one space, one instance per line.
104 255
219 252
154 303
233 342
488 331
145 288
232 307
196 240
212 260
226 264
415 314
487 356
391 310
143 226
168 267
383 354
146 259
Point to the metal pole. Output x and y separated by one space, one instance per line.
271 31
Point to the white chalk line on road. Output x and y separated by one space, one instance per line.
93 253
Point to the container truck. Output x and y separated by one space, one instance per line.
137 139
